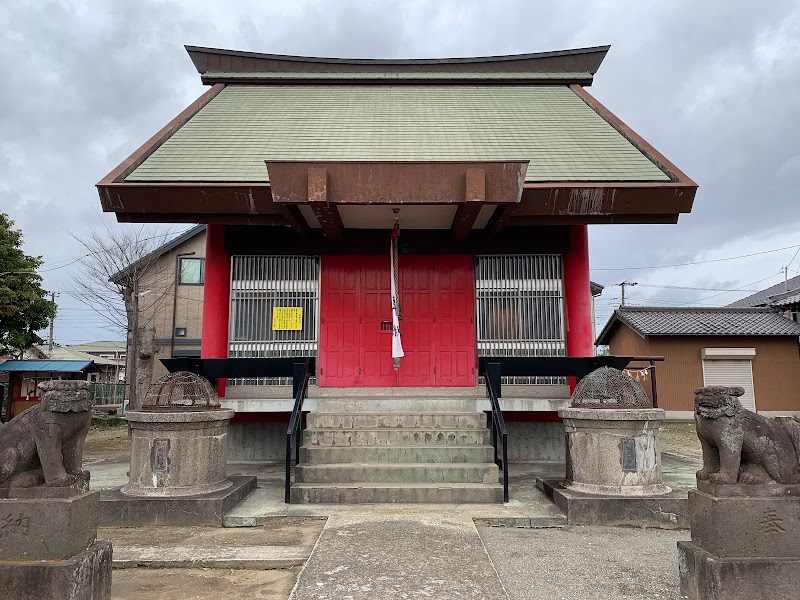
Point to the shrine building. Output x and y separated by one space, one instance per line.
488 171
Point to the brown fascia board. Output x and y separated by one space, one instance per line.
677 176
662 200
410 79
127 166
234 61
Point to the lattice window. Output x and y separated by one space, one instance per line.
259 285
520 307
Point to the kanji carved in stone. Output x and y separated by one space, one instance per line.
44 444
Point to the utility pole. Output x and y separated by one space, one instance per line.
52 326
622 285
785 278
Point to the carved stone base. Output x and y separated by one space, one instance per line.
12 489
742 547
705 576
741 490
85 576
745 527
47 528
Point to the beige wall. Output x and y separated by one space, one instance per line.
156 306
776 366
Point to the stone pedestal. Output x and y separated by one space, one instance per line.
613 451
178 453
741 548
48 549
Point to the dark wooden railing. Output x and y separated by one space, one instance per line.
491 375
294 439
565 366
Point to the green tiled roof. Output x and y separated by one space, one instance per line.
244 125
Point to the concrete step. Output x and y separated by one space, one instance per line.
318 455
370 493
396 437
398 473
396 404
210 557
396 420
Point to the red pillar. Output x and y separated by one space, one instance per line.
578 295
216 297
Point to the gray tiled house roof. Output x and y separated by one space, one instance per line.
762 298
658 320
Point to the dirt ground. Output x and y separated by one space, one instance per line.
283 531
208 584
680 439
106 442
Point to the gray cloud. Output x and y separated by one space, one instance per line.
713 85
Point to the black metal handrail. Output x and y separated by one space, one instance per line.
491 375
302 374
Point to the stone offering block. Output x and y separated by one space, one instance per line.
47 528
752 527
85 576
707 577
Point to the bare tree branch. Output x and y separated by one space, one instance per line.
120 259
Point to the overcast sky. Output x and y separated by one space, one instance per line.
714 85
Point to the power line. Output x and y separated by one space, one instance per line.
70 262
789 264
699 262
699 289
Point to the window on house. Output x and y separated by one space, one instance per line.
192 271
180 332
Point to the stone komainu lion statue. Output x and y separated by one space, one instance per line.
740 446
44 444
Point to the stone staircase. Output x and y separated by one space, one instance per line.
384 450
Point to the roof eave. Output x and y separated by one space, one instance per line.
215 78
200 57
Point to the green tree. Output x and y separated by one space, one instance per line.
24 306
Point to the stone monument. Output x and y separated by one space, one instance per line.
179 439
611 435
48 518
745 513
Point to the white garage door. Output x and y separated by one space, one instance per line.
732 372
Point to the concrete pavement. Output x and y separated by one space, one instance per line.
392 557
581 563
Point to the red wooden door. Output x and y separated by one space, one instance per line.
455 321
437 299
376 368
339 332
417 308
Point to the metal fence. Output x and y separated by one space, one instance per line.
259 285
106 393
520 308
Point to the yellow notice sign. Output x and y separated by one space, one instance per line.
287 318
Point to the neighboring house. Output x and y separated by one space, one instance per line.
783 297
107 370
755 348
25 375
112 350
171 296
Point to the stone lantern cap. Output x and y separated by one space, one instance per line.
181 391
609 388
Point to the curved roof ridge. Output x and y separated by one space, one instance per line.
398 61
